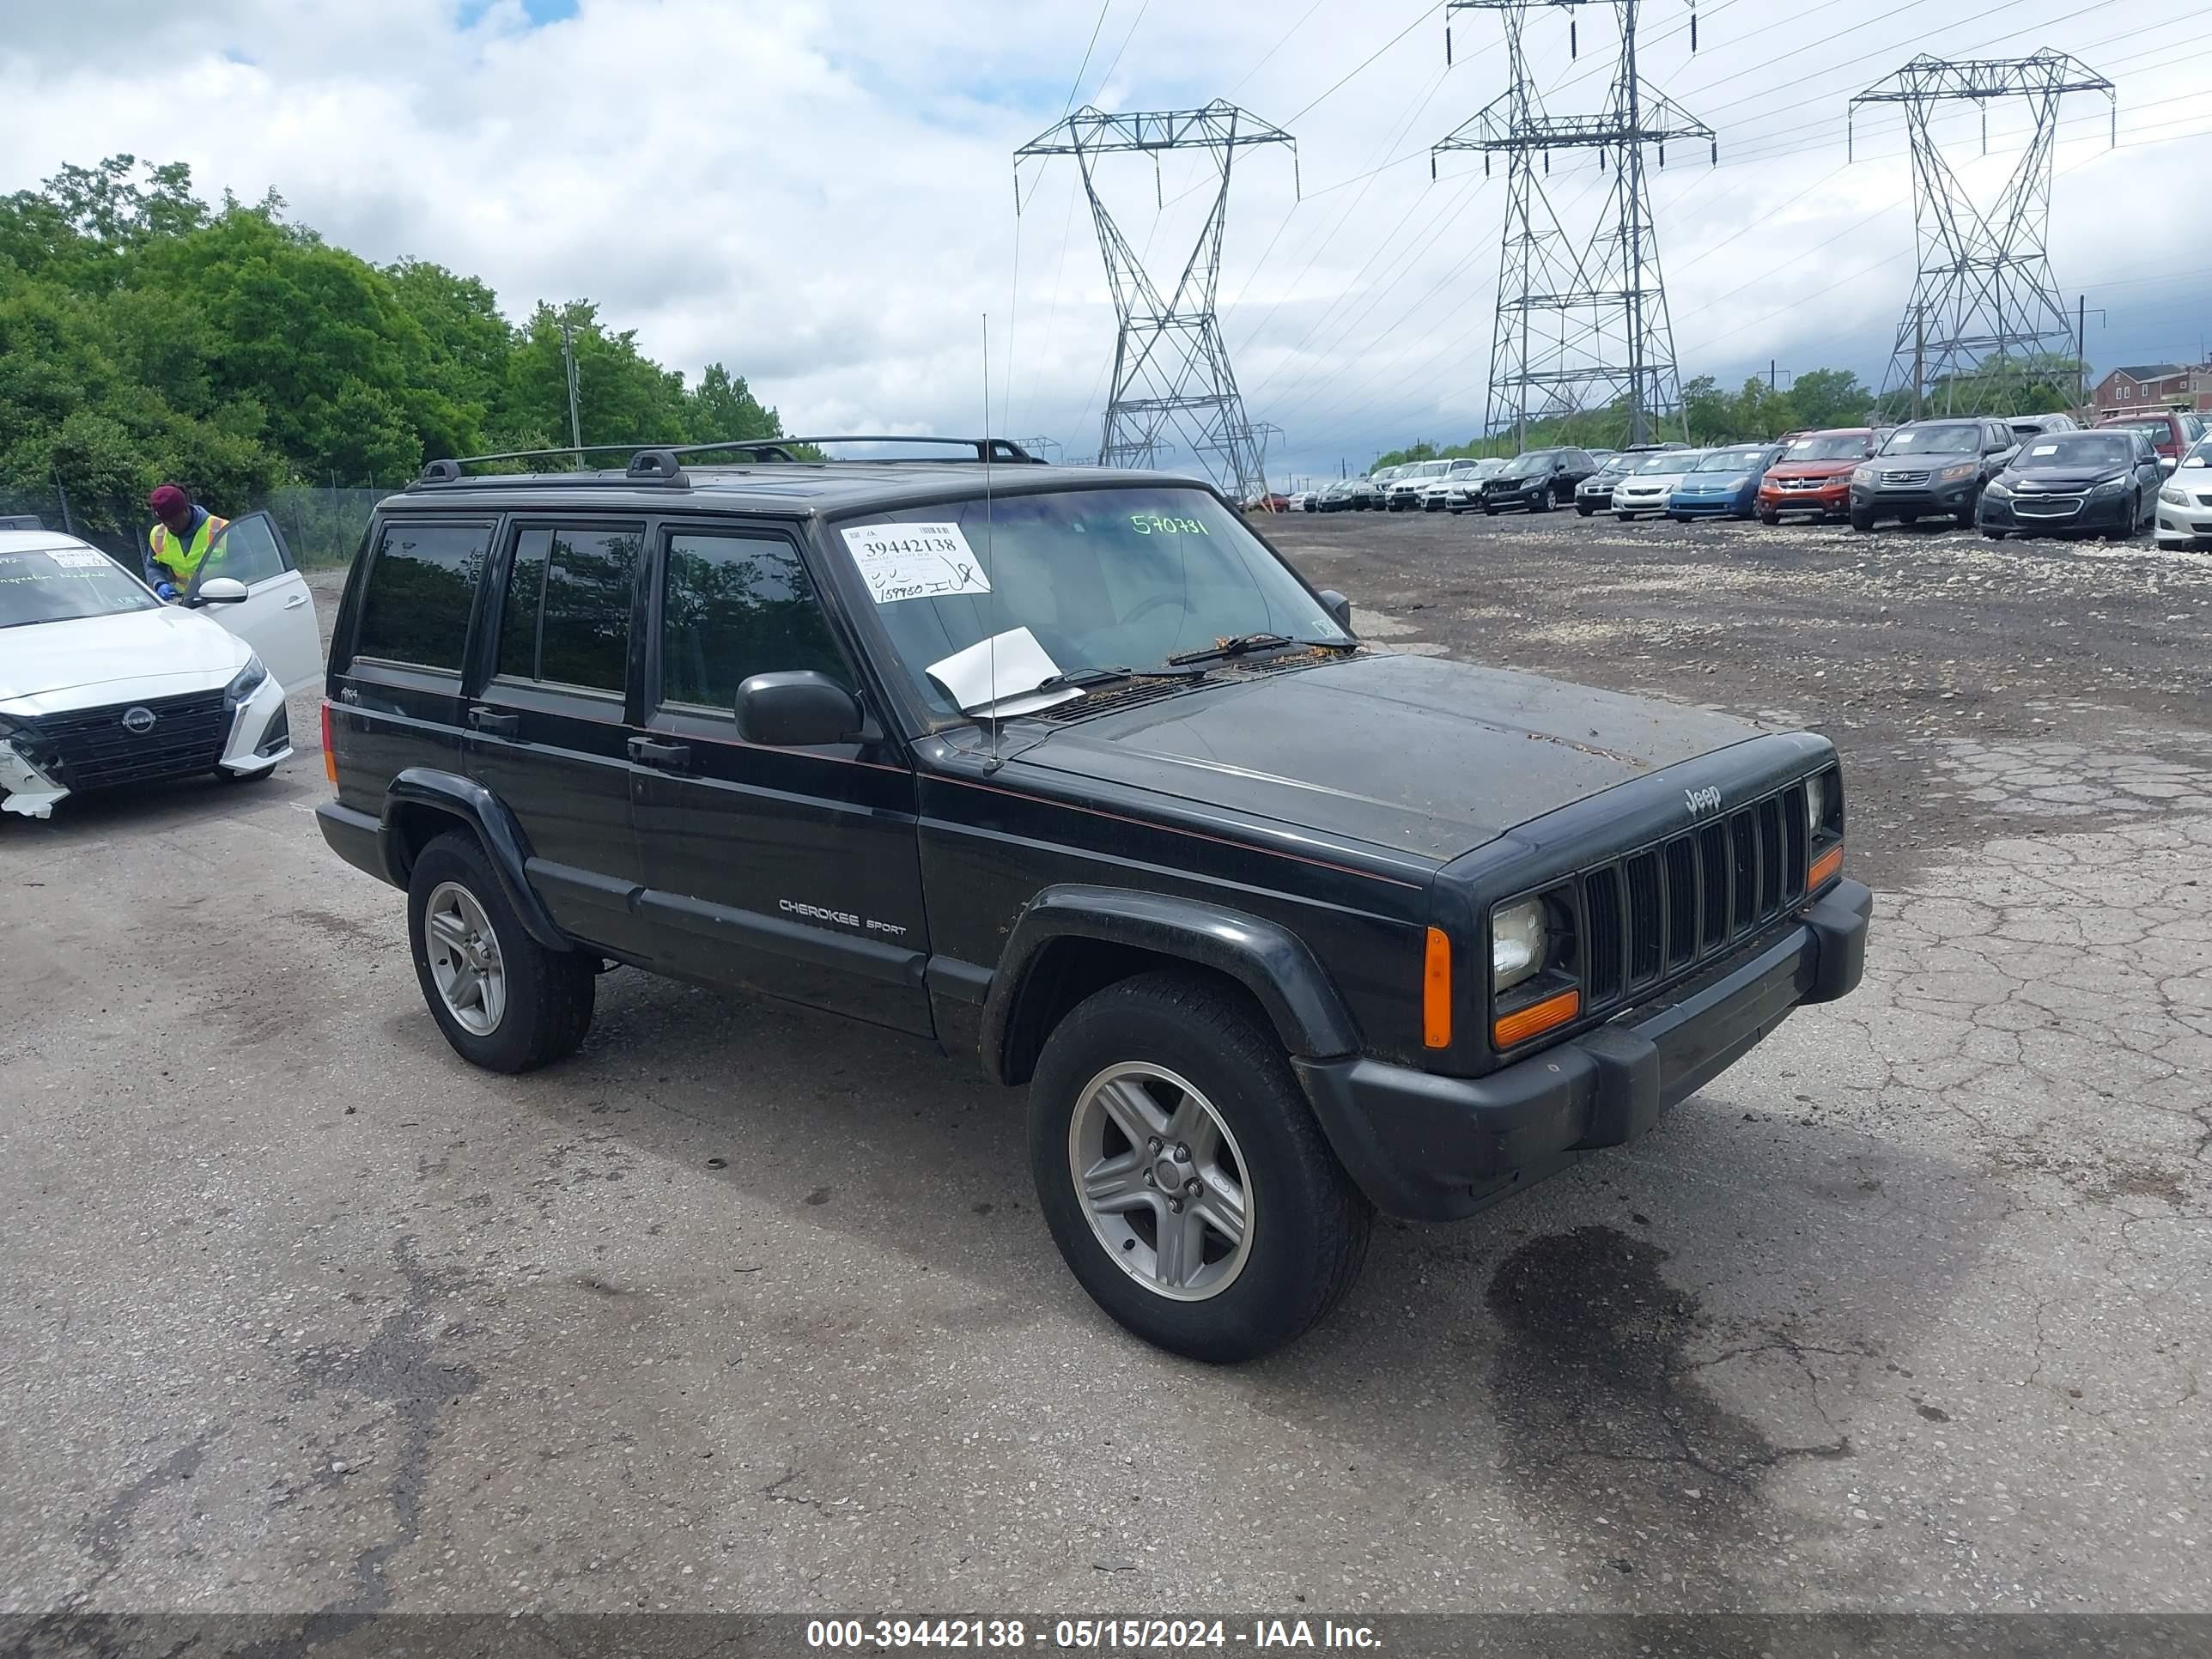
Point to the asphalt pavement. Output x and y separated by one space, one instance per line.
749 1309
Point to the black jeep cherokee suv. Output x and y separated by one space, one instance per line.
1068 770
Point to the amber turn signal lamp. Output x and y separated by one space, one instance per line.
1537 1019
1825 866
329 754
1436 992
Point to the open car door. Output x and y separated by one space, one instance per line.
278 618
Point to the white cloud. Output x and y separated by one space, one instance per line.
820 194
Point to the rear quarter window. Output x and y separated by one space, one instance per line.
415 602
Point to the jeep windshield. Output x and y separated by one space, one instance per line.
1108 584
65 584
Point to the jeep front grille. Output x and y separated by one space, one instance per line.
1663 910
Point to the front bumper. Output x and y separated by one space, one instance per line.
1830 497
1956 499
1635 504
1681 506
2031 514
189 734
1434 1148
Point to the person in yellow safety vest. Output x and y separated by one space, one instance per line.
179 546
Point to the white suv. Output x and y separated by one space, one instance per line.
1405 491
101 684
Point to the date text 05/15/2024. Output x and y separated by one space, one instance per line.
1124 1635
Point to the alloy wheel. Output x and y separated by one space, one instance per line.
1161 1181
464 959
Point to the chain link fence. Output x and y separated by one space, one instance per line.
322 525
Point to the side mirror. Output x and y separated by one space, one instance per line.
1338 607
797 708
2167 463
219 590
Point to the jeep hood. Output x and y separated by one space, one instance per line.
1415 754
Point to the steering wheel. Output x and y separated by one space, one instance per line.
1154 603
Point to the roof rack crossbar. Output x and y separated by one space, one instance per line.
661 463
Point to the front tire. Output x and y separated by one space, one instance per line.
1862 522
1584 512
1254 1232
1770 520
504 1001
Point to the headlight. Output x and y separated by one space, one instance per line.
1998 487
2110 486
1963 469
2170 496
1816 802
1519 942
246 682
1863 475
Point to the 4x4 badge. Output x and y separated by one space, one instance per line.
1702 801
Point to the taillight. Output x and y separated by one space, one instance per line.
329 754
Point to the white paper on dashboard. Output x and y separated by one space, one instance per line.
1001 674
915 562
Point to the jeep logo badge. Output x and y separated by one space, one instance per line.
1702 801
139 719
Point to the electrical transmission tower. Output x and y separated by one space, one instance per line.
1984 302
1171 373
1581 320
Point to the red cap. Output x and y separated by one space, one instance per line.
168 499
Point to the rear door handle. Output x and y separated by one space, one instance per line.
295 601
670 756
493 724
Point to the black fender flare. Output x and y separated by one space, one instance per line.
1267 958
497 831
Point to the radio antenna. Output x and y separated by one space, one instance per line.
990 560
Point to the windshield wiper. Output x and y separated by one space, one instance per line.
1087 678
1244 644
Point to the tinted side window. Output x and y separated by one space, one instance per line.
415 603
583 638
518 612
565 617
733 606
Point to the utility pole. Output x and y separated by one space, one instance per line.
1983 302
1580 321
1919 358
1171 373
569 361
2081 351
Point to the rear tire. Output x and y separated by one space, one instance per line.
504 1001
1994 535
1176 1057
1908 518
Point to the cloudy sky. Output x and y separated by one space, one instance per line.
821 194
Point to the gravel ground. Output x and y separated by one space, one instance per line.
745 1309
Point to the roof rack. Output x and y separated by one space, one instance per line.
662 464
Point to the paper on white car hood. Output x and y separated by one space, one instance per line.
62 665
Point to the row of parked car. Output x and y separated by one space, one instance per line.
2030 475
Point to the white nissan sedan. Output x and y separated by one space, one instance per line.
101 684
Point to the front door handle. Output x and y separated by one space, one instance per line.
671 755
493 724
295 601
